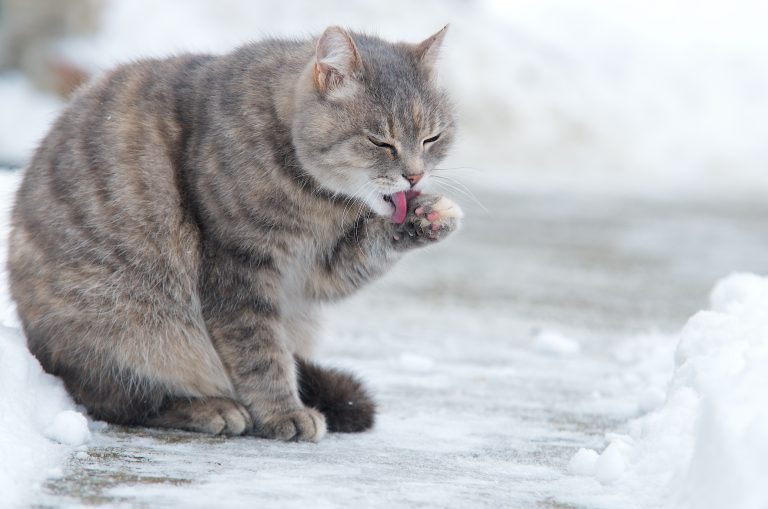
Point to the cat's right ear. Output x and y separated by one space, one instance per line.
427 51
337 62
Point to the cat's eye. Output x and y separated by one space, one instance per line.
390 147
431 140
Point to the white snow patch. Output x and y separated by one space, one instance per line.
706 446
554 343
32 402
414 362
610 465
584 462
651 398
69 427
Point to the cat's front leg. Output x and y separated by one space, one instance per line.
362 254
263 372
372 246
243 316
272 393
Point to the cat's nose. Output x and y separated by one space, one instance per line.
413 179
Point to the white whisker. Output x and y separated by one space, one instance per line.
453 185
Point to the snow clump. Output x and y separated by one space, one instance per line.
706 446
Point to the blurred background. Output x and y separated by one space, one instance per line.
657 97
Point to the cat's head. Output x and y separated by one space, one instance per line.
370 121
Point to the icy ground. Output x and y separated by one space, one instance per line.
494 358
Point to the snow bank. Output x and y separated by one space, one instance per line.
706 446
33 404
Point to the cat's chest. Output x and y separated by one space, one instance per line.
296 270
302 259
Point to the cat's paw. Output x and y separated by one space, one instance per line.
430 218
216 416
228 417
298 424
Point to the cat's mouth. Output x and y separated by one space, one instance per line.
399 201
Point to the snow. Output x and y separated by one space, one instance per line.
413 362
31 401
470 415
610 465
554 343
728 370
584 462
706 446
69 427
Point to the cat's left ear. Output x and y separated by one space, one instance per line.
428 50
337 62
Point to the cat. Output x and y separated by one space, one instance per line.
180 225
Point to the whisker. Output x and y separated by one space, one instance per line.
360 211
458 168
447 184
353 199
458 183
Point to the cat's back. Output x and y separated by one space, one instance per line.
101 199
113 133
124 141
110 184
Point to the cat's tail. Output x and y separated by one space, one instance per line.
339 396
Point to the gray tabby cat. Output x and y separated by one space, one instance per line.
180 225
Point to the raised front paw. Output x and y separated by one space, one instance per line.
430 218
298 424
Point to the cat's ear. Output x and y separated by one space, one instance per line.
337 61
428 50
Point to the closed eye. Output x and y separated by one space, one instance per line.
432 139
382 144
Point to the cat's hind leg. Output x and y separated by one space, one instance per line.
216 416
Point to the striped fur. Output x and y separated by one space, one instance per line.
184 219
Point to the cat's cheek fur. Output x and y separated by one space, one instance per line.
381 207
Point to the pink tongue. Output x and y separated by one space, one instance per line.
398 200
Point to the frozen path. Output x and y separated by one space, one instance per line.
471 413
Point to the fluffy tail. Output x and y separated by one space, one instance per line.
339 396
